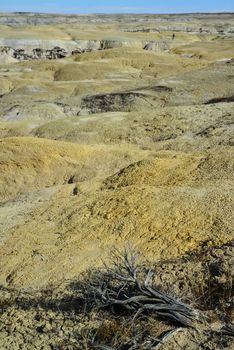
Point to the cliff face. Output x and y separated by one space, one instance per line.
56 49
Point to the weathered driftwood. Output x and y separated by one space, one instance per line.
151 344
125 286
228 329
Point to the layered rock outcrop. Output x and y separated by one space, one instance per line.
54 49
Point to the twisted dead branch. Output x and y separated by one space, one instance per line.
126 287
228 329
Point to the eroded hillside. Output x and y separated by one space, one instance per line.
114 132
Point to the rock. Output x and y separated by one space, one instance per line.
37 53
157 46
122 101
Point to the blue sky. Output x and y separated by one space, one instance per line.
117 6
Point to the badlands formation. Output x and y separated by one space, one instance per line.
115 130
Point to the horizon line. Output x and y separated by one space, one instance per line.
117 13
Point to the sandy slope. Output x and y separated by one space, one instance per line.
184 198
